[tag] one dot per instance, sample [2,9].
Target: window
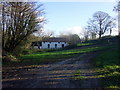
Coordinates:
[48,45]
[40,43]
[62,45]
[55,45]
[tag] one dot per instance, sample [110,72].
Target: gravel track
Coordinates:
[55,75]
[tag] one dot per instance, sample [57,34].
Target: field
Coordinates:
[94,63]
[53,56]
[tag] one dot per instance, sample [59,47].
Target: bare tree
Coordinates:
[101,23]
[48,33]
[117,9]
[73,39]
[19,20]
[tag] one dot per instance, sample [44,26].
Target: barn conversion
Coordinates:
[50,43]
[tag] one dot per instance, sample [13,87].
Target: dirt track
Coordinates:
[56,75]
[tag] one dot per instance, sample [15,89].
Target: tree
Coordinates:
[93,35]
[72,39]
[117,9]
[100,23]
[48,33]
[45,33]
[88,34]
[18,21]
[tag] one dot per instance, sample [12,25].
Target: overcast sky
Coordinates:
[71,17]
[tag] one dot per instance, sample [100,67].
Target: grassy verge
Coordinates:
[108,70]
[47,57]
[84,44]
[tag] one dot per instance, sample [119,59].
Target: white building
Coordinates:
[50,43]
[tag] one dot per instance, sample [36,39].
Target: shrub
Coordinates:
[8,58]
[26,51]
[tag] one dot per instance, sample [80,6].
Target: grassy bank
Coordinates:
[107,63]
[50,57]
[53,56]
[108,68]
[84,44]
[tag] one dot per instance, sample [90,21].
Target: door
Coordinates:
[55,45]
[63,46]
[48,45]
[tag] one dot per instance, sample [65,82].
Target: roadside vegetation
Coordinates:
[108,68]
[49,57]
[106,63]
[84,44]
[21,20]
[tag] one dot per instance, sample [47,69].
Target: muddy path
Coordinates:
[56,75]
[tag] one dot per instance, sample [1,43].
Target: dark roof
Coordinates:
[54,40]
[36,43]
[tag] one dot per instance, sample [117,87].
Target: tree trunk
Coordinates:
[3,25]
[100,34]
[19,20]
[119,22]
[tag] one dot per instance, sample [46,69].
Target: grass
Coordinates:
[108,68]
[53,56]
[105,40]
[84,44]
[108,58]
[107,63]
[49,56]
[77,75]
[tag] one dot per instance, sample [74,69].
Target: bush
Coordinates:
[8,58]
[26,51]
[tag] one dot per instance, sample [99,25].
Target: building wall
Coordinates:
[52,45]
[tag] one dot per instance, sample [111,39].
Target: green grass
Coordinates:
[108,70]
[53,56]
[105,40]
[77,75]
[49,57]
[84,44]
[108,58]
